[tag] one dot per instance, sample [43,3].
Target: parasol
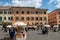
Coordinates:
[47,26]
[19,24]
[9,26]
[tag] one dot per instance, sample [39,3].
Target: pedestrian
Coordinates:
[45,30]
[54,29]
[37,27]
[41,27]
[26,29]
[5,28]
[11,33]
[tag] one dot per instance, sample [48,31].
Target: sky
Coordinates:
[44,4]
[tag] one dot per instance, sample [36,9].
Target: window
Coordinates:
[40,12]
[32,18]
[9,12]
[22,18]
[44,12]
[45,18]
[0,18]
[41,18]
[45,23]
[12,12]
[17,12]
[1,12]
[28,18]
[36,18]
[59,12]
[40,22]
[22,12]
[17,18]
[59,17]
[36,12]
[27,12]
[11,18]
[5,12]
[55,17]
[4,18]
[59,21]
[8,18]
[32,12]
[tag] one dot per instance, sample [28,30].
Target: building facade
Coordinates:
[54,17]
[28,15]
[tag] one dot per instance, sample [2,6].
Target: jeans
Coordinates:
[11,37]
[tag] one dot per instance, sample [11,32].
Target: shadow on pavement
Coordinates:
[39,33]
[1,39]
[42,34]
[5,39]
[8,39]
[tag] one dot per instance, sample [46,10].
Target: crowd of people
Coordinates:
[13,31]
[44,29]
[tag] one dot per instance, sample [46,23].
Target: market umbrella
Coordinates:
[55,26]
[47,26]
[19,24]
[1,26]
[9,26]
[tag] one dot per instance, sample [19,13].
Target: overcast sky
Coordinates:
[46,4]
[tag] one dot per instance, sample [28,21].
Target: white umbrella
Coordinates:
[19,24]
[1,26]
[9,26]
[55,26]
[47,26]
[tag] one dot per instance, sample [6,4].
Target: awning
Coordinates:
[19,24]
[9,26]
[47,26]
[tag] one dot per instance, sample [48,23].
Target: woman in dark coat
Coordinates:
[11,33]
[45,30]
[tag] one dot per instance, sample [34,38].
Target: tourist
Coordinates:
[11,33]
[37,27]
[5,28]
[45,30]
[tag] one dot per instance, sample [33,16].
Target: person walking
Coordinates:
[11,33]
[37,27]
[45,30]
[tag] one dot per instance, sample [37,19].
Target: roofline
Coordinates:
[23,7]
[30,7]
[54,10]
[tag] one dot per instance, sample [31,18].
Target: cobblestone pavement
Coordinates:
[36,35]
[1,34]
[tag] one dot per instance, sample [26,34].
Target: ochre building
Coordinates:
[28,15]
[54,17]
